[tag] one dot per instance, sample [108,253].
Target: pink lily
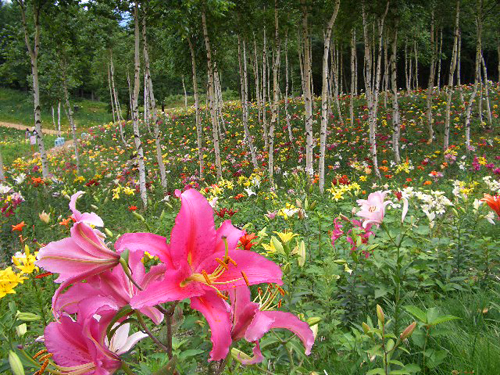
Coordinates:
[251,321]
[114,285]
[81,347]
[88,218]
[201,262]
[373,208]
[337,231]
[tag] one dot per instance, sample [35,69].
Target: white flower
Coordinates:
[20,178]
[121,342]
[249,192]
[490,217]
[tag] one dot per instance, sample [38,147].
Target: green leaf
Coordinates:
[443,319]
[376,371]
[417,313]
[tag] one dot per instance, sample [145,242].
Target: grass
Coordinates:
[13,144]
[17,107]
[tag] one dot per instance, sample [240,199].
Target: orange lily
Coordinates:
[19,227]
[493,201]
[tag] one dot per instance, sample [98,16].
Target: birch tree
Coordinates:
[135,109]
[33,51]
[324,95]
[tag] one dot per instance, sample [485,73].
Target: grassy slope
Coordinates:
[17,107]
[13,144]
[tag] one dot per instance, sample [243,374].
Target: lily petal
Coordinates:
[142,242]
[256,267]
[193,235]
[166,290]
[216,312]
[264,321]
[88,218]
[232,235]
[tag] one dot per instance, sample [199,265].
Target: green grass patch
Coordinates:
[13,144]
[17,107]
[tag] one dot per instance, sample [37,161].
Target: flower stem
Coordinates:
[149,333]
[126,369]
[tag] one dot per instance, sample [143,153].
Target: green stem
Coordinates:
[149,333]
[40,302]
[126,369]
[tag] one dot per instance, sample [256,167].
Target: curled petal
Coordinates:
[232,235]
[88,218]
[264,321]
[145,242]
[216,312]
[257,356]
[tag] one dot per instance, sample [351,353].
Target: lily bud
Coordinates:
[408,331]
[27,317]
[139,216]
[380,314]
[15,364]
[45,217]
[366,328]
[21,329]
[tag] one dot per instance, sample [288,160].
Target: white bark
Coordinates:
[135,110]
[212,101]
[449,89]
[324,96]
[152,103]
[199,128]
[33,53]
[69,113]
[396,121]
[307,93]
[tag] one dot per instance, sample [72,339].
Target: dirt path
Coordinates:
[53,150]
[23,127]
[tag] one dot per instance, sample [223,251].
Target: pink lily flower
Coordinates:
[337,231]
[114,285]
[88,218]
[81,347]
[373,208]
[251,321]
[201,262]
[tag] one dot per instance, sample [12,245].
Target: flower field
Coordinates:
[248,275]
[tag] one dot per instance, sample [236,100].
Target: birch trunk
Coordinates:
[287,114]
[244,99]
[416,65]
[185,94]
[335,75]
[211,96]
[353,74]
[487,91]
[440,53]
[430,82]
[324,96]
[111,97]
[257,80]
[459,65]
[135,110]
[449,89]
[264,91]
[152,102]
[54,118]
[396,123]
[407,77]
[33,53]
[117,102]
[59,118]
[372,92]
[307,92]
[199,128]
[275,105]
[69,113]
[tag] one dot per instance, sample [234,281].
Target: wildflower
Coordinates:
[286,237]
[493,201]
[9,280]
[246,241]
[337,232]
[201,262]
[251,320]
[373,208]
[19,227]
[65,222]
[45,217]
[25,262]
[81,346]
[132,208]
[88,218]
